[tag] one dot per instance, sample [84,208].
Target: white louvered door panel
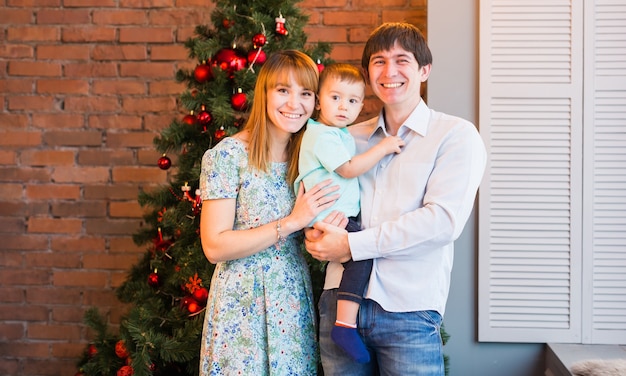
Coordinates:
[604,318]
[530,203]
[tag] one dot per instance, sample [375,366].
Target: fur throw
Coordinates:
[599,367]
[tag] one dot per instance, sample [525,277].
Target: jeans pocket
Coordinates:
[431,316]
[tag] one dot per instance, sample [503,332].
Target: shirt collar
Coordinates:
[417,121]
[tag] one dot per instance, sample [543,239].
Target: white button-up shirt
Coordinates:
[414,205]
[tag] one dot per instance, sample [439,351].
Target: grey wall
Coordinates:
[453,88]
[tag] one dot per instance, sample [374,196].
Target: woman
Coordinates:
[260,318]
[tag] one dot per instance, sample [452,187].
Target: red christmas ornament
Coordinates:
[201,295]
[92,351]
[280,25]
[153,281]
[238,101]
[220,133]
[320,66]
[190,119]
[259,40]
[257,57]
[164,162]
[125,371]
[231,60]
[227,23]
[202,73]
[120,349]
[204,117]
[160,214]
[193,306]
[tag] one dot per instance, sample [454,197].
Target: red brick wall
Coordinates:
[85,86]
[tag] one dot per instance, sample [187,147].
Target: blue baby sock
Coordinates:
[349,340]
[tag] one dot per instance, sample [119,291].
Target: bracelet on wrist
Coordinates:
[280,239]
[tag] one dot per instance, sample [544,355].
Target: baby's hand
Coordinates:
[392,144]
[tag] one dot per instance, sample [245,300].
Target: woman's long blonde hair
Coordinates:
[279,68]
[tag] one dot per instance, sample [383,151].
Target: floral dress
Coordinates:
[260,318]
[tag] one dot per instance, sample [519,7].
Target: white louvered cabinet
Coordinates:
[552,205]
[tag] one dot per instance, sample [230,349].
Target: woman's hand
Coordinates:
[335,218]
[309,204]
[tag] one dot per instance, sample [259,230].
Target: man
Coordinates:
[414,206]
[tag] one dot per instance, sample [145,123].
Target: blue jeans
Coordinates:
[399,343]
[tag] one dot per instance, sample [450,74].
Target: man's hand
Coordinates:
[326,241]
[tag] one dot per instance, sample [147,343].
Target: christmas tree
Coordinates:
[167,289]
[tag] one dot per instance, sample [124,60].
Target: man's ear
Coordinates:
[425,72]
